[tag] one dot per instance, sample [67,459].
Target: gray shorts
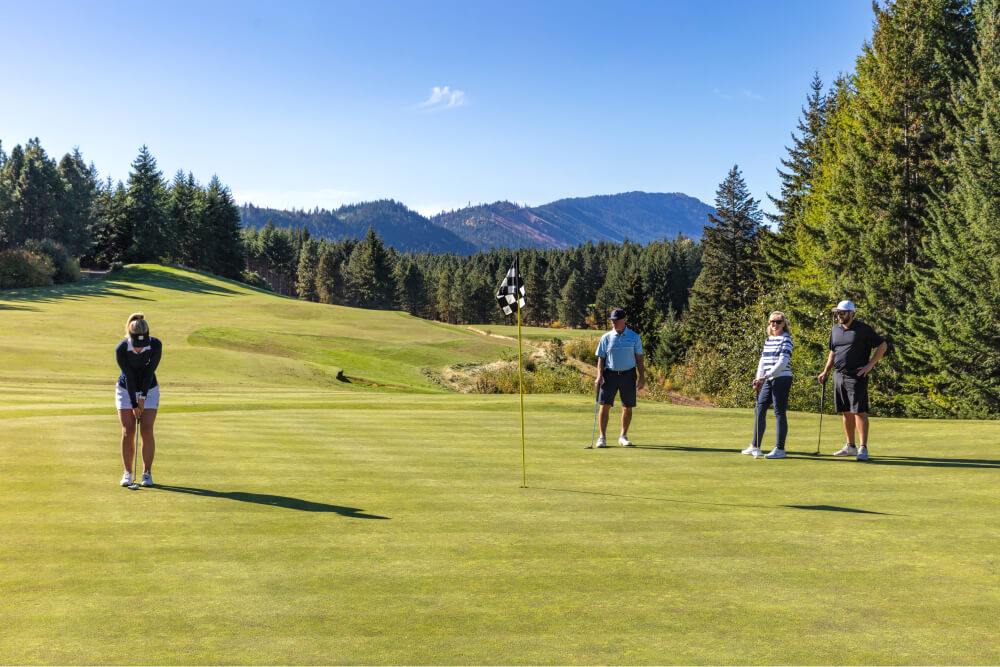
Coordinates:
[850,393]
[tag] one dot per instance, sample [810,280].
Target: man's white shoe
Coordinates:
[624,441]
[751,451]
[601,442]
[126,479]
[847,450]
[775,454]
[147,479]
[863,453]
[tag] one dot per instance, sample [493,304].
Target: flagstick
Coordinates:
[520,386]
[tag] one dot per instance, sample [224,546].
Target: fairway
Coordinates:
[300,519]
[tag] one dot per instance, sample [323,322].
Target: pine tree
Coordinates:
[221,227]
[952,350]
[76,205]
[368,273]
[572,302]
[185,210]
[731,256]
[146,212]
[796,182]
[305,283]
[327,277]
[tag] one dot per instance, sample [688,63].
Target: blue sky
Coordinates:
[434,104]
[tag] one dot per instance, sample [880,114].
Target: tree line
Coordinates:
[575,287]
[54,214]
[890,197]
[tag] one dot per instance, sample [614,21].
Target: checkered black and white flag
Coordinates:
[511,290]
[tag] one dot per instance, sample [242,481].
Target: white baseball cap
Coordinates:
[844,305]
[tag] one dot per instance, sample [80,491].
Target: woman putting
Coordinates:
[137,394]
[774,382]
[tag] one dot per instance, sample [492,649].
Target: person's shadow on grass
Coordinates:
[919,461]
[274,501]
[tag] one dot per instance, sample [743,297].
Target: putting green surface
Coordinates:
[300,520]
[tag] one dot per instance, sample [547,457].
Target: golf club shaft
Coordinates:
[822,399]
[593,432]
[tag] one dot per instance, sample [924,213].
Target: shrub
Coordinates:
[21,268]
[116,266]
[254,279]
[67,268]
[582,349]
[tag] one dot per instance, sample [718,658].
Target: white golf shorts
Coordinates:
[123,402]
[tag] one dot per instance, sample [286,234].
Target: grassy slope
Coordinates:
[298,522]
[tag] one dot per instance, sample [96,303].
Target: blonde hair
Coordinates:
[784,320]
[136,324]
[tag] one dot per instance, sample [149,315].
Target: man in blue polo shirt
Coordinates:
[851,345]
[620,370]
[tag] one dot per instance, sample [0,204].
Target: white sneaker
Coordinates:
[751,451]
[863,453]
[847,450]
[624,441]
[601,442]
[126,479]
[775,454]
[147,479]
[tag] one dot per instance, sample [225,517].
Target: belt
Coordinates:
[609,370]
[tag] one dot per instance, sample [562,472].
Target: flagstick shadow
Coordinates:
[823,508]
[272,500]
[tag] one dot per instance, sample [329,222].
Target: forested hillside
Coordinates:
[636,216]
[400,227]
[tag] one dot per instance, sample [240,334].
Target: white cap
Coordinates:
[844,305]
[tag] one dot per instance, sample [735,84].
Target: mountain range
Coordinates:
[638,216]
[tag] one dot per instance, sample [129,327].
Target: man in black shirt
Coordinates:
[851,345]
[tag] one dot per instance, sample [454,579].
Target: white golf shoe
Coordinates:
[601,442]
[624,441]
[147,479]
[126,479]
[847,450]
[775,454]
[863,453]
[751,451]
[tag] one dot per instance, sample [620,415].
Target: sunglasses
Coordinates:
[777,321]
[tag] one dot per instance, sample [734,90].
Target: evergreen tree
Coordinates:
[222,228]
[411,294]
[572,302]
[185,210]
[305,284]
[731,256]
[327,277]
[368,273]
[952,351]
[76,219]
[146,212]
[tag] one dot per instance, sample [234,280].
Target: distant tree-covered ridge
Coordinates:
[397,225]
[637,216]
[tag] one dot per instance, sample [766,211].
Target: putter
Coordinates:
[822,399]
[135,454]
[593,431]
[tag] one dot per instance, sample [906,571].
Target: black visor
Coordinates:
[139,340]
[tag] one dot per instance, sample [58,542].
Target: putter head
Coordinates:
[133,487]
[589,447]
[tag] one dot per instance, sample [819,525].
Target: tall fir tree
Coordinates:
[368,273]
[731,256]
[146,212]
[952,350]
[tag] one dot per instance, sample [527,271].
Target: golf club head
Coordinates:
[133,487]
[589,447]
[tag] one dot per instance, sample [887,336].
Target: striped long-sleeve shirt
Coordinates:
[776,359]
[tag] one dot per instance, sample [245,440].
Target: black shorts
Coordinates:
[850,393]
[615,383]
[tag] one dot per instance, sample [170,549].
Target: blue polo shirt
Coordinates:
[619,350]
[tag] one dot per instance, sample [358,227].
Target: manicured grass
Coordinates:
[305,523]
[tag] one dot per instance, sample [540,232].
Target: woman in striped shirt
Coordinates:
[774,382]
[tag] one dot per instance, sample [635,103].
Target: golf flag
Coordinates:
[511,290]
[510,296]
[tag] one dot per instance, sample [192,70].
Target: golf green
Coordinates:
[300,519]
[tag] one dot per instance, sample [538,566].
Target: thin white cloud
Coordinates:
[749,94]
[328,198]
[719,93]
[443,97]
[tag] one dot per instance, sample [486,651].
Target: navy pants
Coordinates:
[773,392]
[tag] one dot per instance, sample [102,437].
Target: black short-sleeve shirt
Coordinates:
[852,347]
